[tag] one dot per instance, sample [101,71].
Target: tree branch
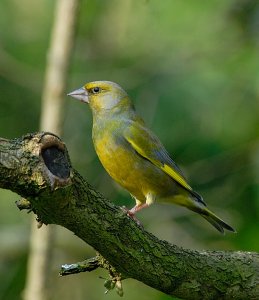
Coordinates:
[38,168]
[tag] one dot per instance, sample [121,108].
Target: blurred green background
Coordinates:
[192,69]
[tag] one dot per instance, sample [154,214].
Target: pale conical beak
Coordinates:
[80,94]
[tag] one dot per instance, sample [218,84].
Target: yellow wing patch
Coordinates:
[177,177]
[167,169]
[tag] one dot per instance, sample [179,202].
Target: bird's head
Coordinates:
[102,96]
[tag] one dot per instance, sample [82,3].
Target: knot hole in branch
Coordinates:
[56,160]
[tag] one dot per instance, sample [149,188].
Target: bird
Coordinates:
[134,156]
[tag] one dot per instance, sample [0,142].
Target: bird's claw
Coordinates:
[131,214]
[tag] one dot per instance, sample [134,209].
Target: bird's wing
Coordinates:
[146,144]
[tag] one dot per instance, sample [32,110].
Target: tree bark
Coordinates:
[38,168]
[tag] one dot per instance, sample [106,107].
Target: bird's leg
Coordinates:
[131,212]
[137,208]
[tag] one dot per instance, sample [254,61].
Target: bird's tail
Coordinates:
[215,221]
[198,205]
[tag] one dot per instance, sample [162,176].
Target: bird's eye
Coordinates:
[96,90]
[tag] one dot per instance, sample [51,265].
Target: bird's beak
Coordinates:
[80,94]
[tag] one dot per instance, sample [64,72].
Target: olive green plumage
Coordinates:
[133,156]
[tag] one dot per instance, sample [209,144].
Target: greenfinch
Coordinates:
[134,156]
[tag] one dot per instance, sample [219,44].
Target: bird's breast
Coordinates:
[119,161]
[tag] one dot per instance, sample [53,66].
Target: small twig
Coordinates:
[87,265]
[91,264]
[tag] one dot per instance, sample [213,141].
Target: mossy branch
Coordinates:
[38,168]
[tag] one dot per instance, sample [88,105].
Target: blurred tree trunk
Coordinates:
[58,61]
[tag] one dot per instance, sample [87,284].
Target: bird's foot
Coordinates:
[131,214]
